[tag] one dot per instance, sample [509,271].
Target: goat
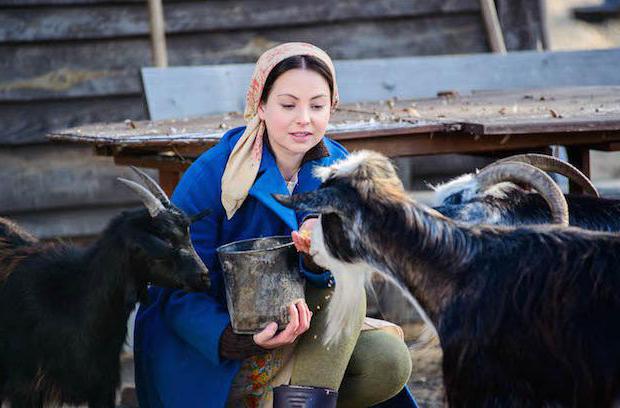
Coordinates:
[526,317]
[64,309]
[507,203]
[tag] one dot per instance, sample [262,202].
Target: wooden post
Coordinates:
[168,180]
[158,33]
[578,156]
[491,23]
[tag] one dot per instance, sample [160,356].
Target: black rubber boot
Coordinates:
[296,396]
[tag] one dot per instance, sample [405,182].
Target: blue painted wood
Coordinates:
[200,90]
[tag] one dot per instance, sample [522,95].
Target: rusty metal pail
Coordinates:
[262,279]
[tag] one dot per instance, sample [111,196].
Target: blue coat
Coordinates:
[176,342]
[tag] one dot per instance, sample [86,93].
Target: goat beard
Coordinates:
[344,307]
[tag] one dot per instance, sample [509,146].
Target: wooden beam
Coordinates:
[17,126]
[111,66]
[578,156]
[413,145]
[158,33]
[123,19]
[493,28]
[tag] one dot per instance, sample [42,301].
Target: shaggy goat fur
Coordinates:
[509,204]
[527,317]
[64,309]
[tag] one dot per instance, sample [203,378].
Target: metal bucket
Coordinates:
[262,279]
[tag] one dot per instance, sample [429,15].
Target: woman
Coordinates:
[186,353]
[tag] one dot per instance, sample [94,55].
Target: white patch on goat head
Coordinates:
[344,167]
[466,185]
[469,189]
[344,305]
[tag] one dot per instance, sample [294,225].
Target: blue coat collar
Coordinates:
[269,180]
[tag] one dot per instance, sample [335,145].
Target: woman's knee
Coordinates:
[383,356]
[393,359]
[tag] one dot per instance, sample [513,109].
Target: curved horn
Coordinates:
[527,174]
[148,199]
[153,186]
[555,165]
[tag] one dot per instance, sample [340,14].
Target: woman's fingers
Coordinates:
[304,317]
[300,316]
[301,243]
[262,338]
[298,241]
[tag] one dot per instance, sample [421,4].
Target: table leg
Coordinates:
[168,180]
[578,156]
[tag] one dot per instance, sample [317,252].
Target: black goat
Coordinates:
[527,317]
[64,309]
[507,203]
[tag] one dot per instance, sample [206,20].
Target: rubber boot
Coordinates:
[289,396]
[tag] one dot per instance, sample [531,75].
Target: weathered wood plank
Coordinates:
[189,91]
[77,222]
[28,123]
[66,69]
[582,109]
[107,21]
[39,3]
[59,177]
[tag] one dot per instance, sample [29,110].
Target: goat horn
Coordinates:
[148,199]
[527,174]
[555,165]
[153,186]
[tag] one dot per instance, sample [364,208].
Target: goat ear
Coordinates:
[325,200]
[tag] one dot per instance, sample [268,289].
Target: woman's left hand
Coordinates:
[303,238]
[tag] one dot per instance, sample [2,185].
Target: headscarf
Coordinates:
[244,161]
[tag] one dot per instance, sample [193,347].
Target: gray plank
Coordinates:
[68,223]
[47,177]
[194,91]
[26,123]
[39,3]
[131,19]
[111,67]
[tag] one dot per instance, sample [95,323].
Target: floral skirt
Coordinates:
[253,385]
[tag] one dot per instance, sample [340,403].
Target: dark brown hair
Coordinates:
[298,62]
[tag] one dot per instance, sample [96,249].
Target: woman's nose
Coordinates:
[303,118]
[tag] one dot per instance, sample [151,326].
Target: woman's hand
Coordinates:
[299,322]
[303,238]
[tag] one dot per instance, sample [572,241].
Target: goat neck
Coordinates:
[116,281]
[410,243]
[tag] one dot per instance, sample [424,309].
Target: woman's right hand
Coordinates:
[300,316]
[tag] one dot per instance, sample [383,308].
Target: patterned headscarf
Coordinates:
[244,161]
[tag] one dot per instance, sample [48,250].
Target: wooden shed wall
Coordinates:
[70,62]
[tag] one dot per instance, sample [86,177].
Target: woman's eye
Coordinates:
[318,107]
[288,106]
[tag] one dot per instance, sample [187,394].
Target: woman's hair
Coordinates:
[298,62]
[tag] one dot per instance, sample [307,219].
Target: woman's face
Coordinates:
[296,112]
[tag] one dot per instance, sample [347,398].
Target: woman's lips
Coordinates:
[301,135]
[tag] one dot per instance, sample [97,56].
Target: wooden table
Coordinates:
[581,119]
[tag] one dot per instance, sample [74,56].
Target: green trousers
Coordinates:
[366,368]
